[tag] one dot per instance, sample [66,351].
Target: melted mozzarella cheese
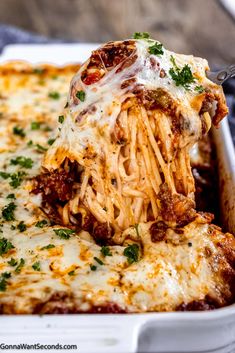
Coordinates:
[168,272]
[85,128]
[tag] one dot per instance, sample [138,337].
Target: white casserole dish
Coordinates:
[154,332]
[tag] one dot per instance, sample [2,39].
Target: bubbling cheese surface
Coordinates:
[49,268]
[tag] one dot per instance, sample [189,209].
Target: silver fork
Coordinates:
[221,76]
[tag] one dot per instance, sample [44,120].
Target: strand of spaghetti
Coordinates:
[137,207]
[164,167]
[94,206]
[152,176]
[133,121]
[73,204]
[84,183]
[65,214]
[128,192]
[147,172]
[154,167]
[164,132]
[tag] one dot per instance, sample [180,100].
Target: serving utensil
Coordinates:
[219,77]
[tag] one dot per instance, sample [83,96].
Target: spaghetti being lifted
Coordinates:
[122,155]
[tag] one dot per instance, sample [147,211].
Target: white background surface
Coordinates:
[59,54]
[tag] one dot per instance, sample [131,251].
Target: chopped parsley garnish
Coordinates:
[199,89]
[71,273]
[12,262]
[182,77]
[21,226]
[64,233]
[6,275]
[5,175]
[105,251]
[8,212]
[47,247]
[19,267]
[16,179]
[61,119]
[41,224]
[40,148]
[11,196]
[18,131]
[156,49]
[13,227]
[81,95]
[47,128]
[132,253]
[38,70]
[3,284]
[54,95]
[98,260]
[35,125]
[141,35]
[23,162]
[51,141]
[5,246]
[93,267]
[36,266]
[190,244]
[136,226]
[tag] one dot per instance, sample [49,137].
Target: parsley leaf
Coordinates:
[6,274]
[98,260]
[64,233]
[21,226]
[3,284]
[81,95]
[136,226]
[141,35]
[132,253]
[199,89]
[5,175]
[11,196]
[40,148]
[105,251]
[38,70]
[35,125]
[12,262]
[19,267]
[93,267]
[71,273]
[41,224]
[16,179]
[182,77]
[18,131]
[61,119]
[47,247]
[54,95]
[51,141]
[8,212]
[23,162]
[156,49]
[36,266]
[5,246]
